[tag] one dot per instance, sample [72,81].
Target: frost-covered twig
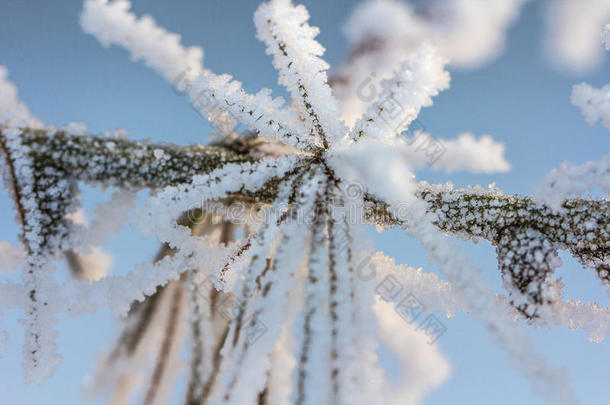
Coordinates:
[296,55]
[261,113]
[119,161]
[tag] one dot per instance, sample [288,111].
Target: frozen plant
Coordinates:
[279,315]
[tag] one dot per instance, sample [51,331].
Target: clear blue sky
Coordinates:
[65,75]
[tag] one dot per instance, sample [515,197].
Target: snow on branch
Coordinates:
[109,218]
[40,204]
[119,292]
[265,115]
[581,227]
[546,380]
[87,259]
[121,162]
[296,55]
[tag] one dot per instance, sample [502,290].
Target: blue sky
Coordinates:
[65,75]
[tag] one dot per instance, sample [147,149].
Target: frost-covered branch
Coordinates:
[474,213]
[122,162]
[582,227]
[296,55]
[261,113]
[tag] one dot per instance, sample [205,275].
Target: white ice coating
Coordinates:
[298,272]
